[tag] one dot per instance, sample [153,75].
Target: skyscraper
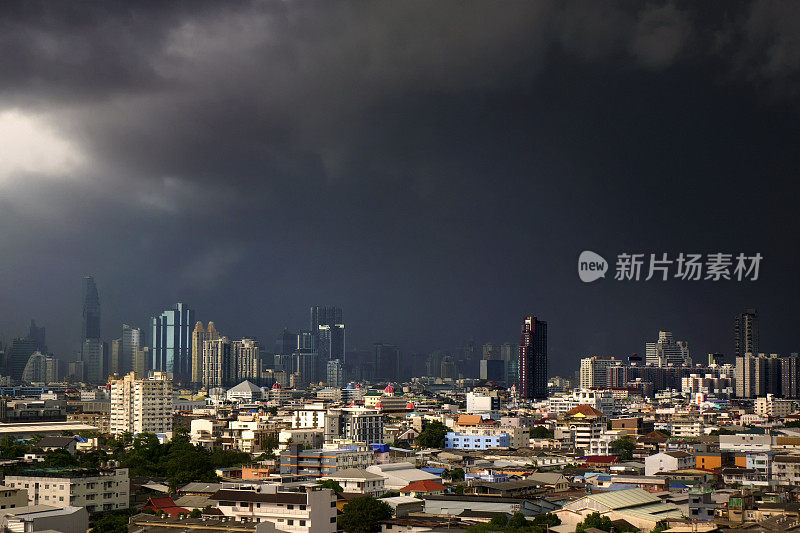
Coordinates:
[387,361]
[199,336]
[325,315]
[131,341]
[745,333]
[114,357]
[37,335]
[666,351]
[91,310]
[94,354]
[172,342]
[330,343]
[533,359]
[216,362]
[246,361]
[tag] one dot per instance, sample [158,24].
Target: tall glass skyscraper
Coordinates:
[172,342]
[533,359]
[91,310]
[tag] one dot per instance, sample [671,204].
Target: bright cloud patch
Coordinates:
[29,145]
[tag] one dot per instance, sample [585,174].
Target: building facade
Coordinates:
[533,359]
[141,405]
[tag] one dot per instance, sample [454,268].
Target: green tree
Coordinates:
[331,484]
[363,515]
[595,520]
[432,435]
[112,522]
[59,459]
[623,447]
[518,521]
[541,432]
[457,474]
[499,520]
[196,513]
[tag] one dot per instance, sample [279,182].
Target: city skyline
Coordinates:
[323,316]
[435,174]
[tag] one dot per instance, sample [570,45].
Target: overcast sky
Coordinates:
[435,168]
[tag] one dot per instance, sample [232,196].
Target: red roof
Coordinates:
[425,485]
[164,503]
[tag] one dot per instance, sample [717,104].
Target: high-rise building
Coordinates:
[533,359]
[115,353]
[141,405]
[335,372]
[286,343]
[490,351]
[131,341]
[94,354]
[246,360]
[331,342]
[37,335]
[509,353]
[322,315]
[759,374]
[667,351]
[91,310]
[199,336]
[17,356]
[216,362]
[745,333]
[594,371]
[790,376]
[387,362]
[141,362]
[172,342]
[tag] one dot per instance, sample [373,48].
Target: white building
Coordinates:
[602,400]
[245,391]
[97,491]
[359,481]
[45,518]
[482,403]
[594,371]
[310,416]
[745,442]
[141,405]
[399,475]
[770,406]
[667,462]
[305,510]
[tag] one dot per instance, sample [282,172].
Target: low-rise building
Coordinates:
[12,497]
[320,462]
[667,462]
[68,519]
[97,490]
[358,481]
[305,510]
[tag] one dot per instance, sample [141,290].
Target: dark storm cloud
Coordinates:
[434,165]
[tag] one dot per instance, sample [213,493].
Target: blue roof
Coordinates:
[81,439]
[432,470]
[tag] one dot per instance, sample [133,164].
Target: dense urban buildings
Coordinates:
[745,333]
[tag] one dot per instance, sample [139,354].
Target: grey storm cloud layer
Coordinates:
[433,167]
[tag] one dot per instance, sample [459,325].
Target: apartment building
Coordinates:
[584,423]
[299,510]
[247,434]
[602,400]
[462,441]
[354,425]
[12,497]
[141,405]
[97,490]
[310,416]
[474,426]
[786,470]
[770,406]
[320,462]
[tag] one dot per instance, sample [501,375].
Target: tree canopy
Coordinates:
[432,435]
[363,515]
